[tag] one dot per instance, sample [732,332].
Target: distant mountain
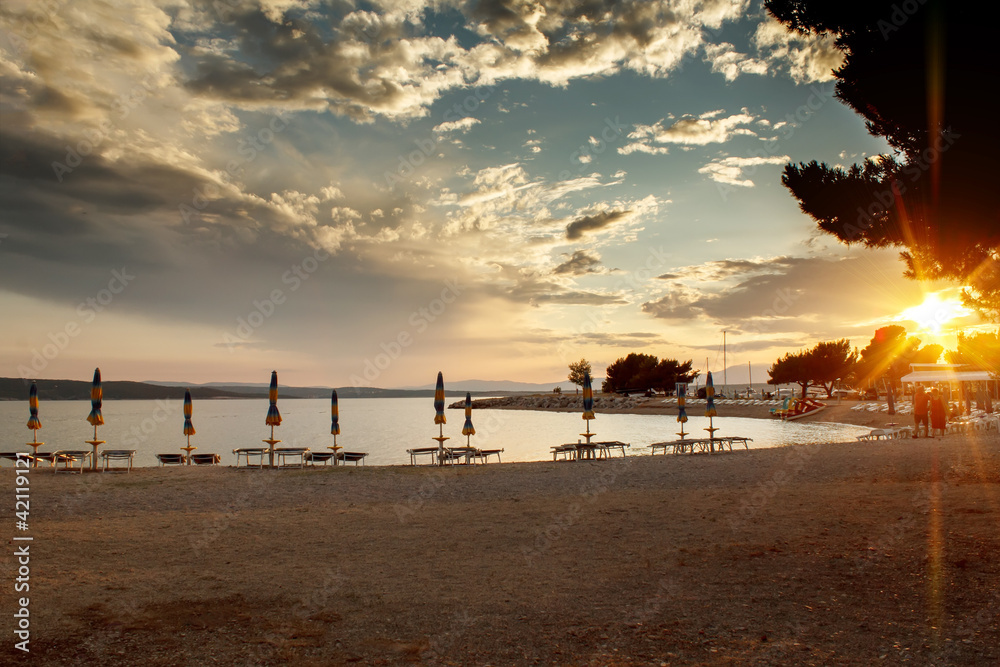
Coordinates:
[16,389]
[487,386]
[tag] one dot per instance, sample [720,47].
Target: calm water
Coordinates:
[384,427]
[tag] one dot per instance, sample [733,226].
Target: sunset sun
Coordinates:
[935,312]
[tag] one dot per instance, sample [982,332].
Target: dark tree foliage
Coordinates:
[980,350]
[920,74]
[889,354]
[639,372]
[820,366]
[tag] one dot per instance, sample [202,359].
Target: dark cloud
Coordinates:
[578,264]
[785,294]
[589,223]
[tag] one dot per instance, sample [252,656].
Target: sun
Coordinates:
[935,312]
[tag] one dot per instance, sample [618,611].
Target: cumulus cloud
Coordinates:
[806,57]
[579,263]
[731,170]
[707,128]
[463,125]
[595,222]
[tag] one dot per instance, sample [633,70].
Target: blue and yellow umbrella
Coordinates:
[710,397]
[95,417]
[96,395]
[468,429]
[188,410]
[682,417]
[188,425]
[439,417]
[334,416]
[34,423]
[710,411]
[588,399]
[273,416]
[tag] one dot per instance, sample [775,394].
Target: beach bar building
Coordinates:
[962,378]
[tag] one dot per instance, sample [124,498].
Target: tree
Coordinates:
[980,350]
[640,372]
[820,366]
[934,196]
[890,353]
[578,370]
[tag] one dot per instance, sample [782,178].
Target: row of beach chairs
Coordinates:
[454,455]
[75,460]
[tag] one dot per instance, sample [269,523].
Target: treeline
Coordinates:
[887,357]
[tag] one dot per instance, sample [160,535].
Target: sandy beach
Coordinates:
[839,554]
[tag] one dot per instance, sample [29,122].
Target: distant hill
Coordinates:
[16,389]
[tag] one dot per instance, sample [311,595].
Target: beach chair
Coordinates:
[430,452]
[321,457]
[247,452]
[109,455]
[206,459]
[567,452]
[485,454]
[354,457]
[69,458]
[171,459]
[283,453]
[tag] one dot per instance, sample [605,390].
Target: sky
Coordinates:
[365,193]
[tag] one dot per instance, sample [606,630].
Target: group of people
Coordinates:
[929,405]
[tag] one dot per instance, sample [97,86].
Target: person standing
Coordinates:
[921,407]
[938,416]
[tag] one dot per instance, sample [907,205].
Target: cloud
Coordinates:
[785,294]
[463,125]
[580,263]
[731,63]
[806,57]
[689,130]
[730,170]
[589,223]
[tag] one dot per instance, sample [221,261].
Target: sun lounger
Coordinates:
[567,452]
[247,452]
[615,444]
[171,459]
[283,453]
[487,453]
[352,457]
[422,451]
[206,459]
[14,456]
[322,457]
[68,458]
[109,455]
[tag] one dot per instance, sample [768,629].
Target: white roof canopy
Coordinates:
[946,376]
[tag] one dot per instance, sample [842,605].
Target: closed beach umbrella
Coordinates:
[34,423]
[588,399]
[468,429]
[439,417]
[273,416]
[96,395]
[710,397]
[188,426]
[682,415]
[890,400]
[335,416]
[95,417]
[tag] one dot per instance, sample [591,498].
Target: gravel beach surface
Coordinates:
[838,554]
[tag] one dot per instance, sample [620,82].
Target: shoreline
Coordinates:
[803,554]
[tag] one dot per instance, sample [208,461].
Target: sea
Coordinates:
[383,427]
